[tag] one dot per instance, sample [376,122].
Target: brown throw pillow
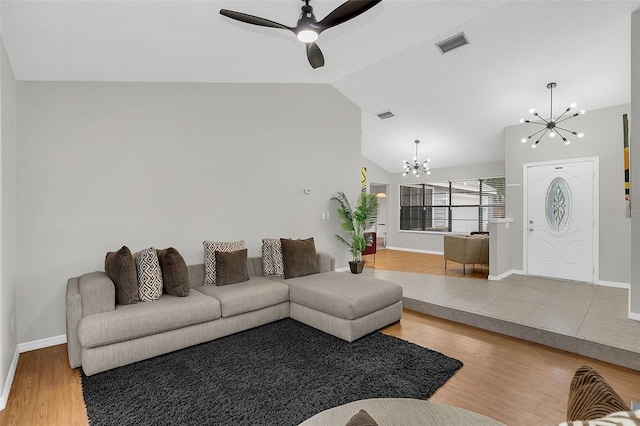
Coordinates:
[175,275]
[231,267]
[362,419]
[121,268]
[299,257]
[591,397]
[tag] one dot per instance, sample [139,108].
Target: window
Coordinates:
[454,206]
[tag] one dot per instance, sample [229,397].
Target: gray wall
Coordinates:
[378,175]
[429,241]
[101,165]
[603,139]
[634,293]
[8,99]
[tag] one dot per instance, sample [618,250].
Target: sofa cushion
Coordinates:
[121,268]
[175,275]
[299,257]
[343,295]
[231,267]
[257,293]
[272,263]
[591,397]
[210,249]
[149,275]
[132,321]
[362,418]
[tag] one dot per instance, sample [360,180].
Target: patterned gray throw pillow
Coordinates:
[272,257]
[149,275]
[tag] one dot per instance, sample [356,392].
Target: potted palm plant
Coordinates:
[355,221]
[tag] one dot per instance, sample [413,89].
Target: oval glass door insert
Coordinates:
[558,205]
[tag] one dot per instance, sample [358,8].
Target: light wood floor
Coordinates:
[406,261]
[514,381]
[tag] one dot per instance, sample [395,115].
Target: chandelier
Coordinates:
[416,167]
[552,124]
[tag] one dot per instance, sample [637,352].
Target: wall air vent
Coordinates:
[452,43]
[385,114]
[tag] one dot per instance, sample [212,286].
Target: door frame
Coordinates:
[596,210]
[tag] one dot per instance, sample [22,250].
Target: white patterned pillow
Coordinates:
[272,257]
[210,249]
[619,418]
[149,275]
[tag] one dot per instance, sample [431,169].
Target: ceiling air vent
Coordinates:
[452,43]
[385,114]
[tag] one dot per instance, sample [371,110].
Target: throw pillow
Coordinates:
[175,275]
[591,397]
[299,257]
[362,418]
[149,275]
[210,248]
[620,418]
[272,257]
[121,268]
[231,267]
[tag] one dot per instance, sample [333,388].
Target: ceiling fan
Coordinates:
[308,28]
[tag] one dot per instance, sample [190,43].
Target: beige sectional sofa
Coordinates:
[102,335]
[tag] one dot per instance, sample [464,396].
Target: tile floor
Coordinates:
[583,318]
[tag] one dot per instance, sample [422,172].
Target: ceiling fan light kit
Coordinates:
[308,28]
[551,126]
[415,166]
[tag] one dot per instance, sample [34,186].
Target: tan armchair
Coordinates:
[465,250]
[484,252]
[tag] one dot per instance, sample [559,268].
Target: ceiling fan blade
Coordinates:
[250,19]
[347,10]
[315,56]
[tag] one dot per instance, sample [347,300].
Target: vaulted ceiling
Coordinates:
[457,104]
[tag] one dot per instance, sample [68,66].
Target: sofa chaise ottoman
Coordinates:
[345,305]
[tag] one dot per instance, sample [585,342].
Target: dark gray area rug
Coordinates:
[278,374]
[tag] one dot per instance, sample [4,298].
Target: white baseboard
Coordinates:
[42,343]
[415,250]
[344,269]
[7,384]
[501,276]
[634,316]
[614,284]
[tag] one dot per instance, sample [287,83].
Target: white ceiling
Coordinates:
[457,104]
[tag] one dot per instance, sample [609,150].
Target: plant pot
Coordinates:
[356,266]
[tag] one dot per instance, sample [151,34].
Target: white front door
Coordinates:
[560,223]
